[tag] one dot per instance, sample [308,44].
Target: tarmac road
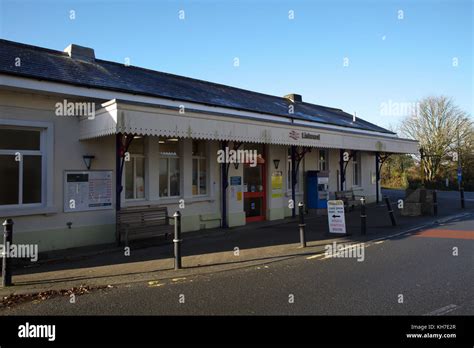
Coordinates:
[412,274]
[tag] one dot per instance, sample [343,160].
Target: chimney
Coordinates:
[294,97]
[80,52]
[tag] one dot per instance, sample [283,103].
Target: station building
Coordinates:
[81,138]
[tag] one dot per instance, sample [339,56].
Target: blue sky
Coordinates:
[390,59]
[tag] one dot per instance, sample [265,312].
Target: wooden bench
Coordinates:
[142,222]
[350,198]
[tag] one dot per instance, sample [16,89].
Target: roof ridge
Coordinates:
[62,53]
[37,48]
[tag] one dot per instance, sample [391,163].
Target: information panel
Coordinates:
[87,190]
[336,218]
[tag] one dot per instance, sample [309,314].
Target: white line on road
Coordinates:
[444,310]
[314,256]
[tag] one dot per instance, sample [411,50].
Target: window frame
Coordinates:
[326,160]
[46,152]
[133,157]
[199,158]
[168,157]
[356,170]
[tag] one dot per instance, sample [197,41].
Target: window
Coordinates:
[21,166]
[300,173]
[323,160]
[135,170]
[199,168]
[356,170]
[169,173]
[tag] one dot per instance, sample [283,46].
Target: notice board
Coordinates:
[87,190]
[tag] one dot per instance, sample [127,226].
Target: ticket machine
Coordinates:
[317,189]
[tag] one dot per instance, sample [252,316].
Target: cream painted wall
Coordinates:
[199,212]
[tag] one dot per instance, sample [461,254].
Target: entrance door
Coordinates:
[255,195]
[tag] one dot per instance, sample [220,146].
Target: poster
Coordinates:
[277,180]
[87,190]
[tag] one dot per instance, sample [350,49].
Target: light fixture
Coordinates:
[276,163]
[236,165]
[88,160]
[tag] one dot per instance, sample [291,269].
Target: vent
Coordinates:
[295,98]
[80,52]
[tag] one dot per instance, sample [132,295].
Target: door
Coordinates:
[255,193]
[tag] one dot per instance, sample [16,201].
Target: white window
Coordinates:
[199,168]
[323,160]
[169,172]
[356,169]
[22,166]
[135,170]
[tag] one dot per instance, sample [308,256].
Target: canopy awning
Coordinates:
[145,119]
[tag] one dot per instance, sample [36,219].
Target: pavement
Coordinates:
[214,251]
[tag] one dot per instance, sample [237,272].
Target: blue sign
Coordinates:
[459,174]
[235,180]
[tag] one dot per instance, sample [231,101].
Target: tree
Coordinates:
[442,129]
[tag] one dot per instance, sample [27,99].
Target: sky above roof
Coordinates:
[375,58]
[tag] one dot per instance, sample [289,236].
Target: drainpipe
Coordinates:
[377,175]
[224,183]
[118,179]
[341,168]
[293,180]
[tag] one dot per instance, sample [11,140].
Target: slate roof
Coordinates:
[45,64]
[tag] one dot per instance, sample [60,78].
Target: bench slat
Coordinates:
[143,222]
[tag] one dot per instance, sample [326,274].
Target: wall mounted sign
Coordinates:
[277,180]
[87,190]
[235,180]
[305,135]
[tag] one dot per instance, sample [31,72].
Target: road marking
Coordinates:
[154,283]
[314,256]
[444,310]
[177,279]
[440,233]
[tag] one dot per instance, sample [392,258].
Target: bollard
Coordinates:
[435,203]
[363,217]
[7,241]
[302,225]
[462,198]
[177,240]
[390,211]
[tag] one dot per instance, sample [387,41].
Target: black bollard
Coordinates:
[363,217]
[435,203]
[302,225]
[462,198]
[7,241]
[390,211]
[177,240]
